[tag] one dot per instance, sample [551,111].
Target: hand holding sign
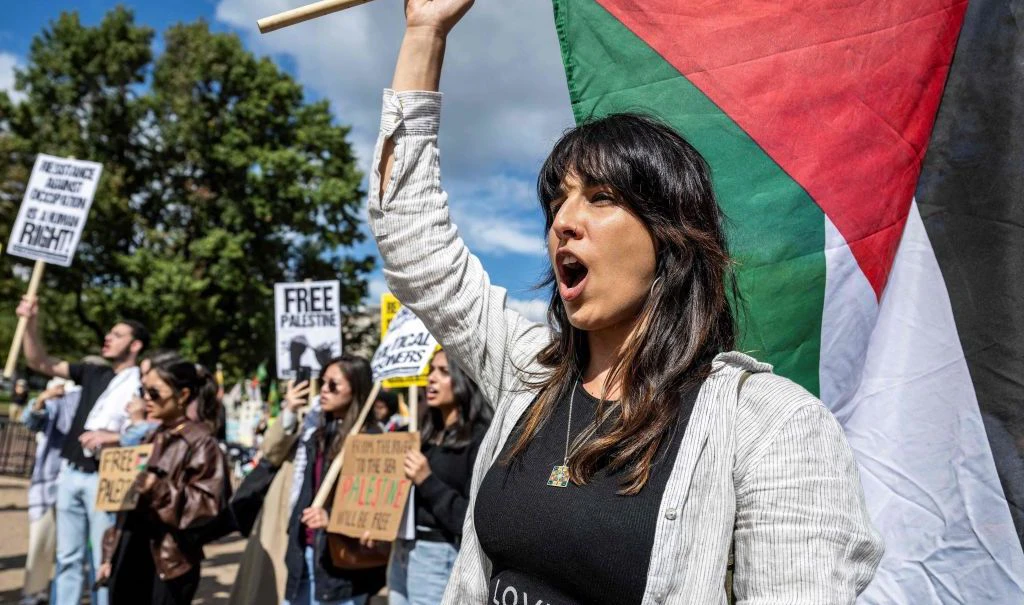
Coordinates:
[416,467]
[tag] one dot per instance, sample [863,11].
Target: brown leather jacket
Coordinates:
[190,489]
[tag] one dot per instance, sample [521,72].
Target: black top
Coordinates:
[578,544]
[442,500]
[94,380]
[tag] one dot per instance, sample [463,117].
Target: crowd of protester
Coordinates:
[129,396]
[632,457]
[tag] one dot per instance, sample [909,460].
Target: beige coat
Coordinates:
[262,573]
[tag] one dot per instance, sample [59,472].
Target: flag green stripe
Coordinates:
[776,231]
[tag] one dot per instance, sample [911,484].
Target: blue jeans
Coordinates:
[78,525]
[307,587]
[418,571]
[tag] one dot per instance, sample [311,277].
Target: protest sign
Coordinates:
[308,318]
[372,489]
[403,357]
[389,307]
[119,467]
[53,211]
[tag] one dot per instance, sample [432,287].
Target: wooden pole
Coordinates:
[305,13]
[314,390]
[19,332]
[414,409]
[327,484]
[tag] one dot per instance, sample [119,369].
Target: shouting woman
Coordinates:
[632,450]
[456,421]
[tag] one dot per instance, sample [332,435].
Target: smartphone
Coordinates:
[302,374]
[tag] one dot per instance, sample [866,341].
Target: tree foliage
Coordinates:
[219,179]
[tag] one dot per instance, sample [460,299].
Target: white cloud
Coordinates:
[7,64]
[536,310]
[482,235]
[506,102]
[506,97]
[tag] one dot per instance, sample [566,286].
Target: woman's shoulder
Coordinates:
[769,405]
[763,395]
[196,432]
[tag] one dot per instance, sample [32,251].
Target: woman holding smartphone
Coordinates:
[315,441]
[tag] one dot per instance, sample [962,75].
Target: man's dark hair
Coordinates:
[139,332]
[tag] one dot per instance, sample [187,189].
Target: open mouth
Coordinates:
[572,275]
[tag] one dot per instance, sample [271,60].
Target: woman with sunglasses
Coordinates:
[314,441]
[632,451]
[153,553]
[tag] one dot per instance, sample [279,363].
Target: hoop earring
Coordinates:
[653,284]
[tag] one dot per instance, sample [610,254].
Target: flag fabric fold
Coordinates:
[816,119]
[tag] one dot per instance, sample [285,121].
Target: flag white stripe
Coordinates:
[914,423]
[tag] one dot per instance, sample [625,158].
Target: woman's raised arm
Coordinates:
[427,24]
[426,263]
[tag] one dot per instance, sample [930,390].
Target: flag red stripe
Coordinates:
[841,95]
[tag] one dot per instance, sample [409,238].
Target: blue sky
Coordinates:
[505,101]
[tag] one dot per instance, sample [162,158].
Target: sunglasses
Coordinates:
[332,387]
[152,395]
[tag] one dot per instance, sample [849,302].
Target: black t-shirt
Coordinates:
[442,500]
[94,380]
[577,545]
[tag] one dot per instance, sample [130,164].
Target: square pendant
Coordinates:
[559,476]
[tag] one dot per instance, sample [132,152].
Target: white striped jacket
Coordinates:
[771,469]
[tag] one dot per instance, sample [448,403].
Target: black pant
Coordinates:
[134,579]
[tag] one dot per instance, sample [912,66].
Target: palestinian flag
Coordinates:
[816,118]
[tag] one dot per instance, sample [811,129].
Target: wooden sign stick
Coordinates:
[305,13]
[414,412]
[327,483]
[314,390]
[19,332]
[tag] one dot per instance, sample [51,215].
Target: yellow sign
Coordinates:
[119,467]
[389,307]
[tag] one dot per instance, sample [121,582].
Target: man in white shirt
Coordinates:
[98,421]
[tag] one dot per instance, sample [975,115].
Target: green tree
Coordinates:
[219,180]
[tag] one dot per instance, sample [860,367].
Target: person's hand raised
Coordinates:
[439,15]
[28,307]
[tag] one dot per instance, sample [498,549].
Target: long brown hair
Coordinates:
[686,319]
[474,412]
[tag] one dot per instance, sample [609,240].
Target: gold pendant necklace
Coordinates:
[560,472]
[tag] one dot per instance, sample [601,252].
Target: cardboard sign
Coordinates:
[308,318]
[53,211]
[119,466]
[406,347]
[372,490]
